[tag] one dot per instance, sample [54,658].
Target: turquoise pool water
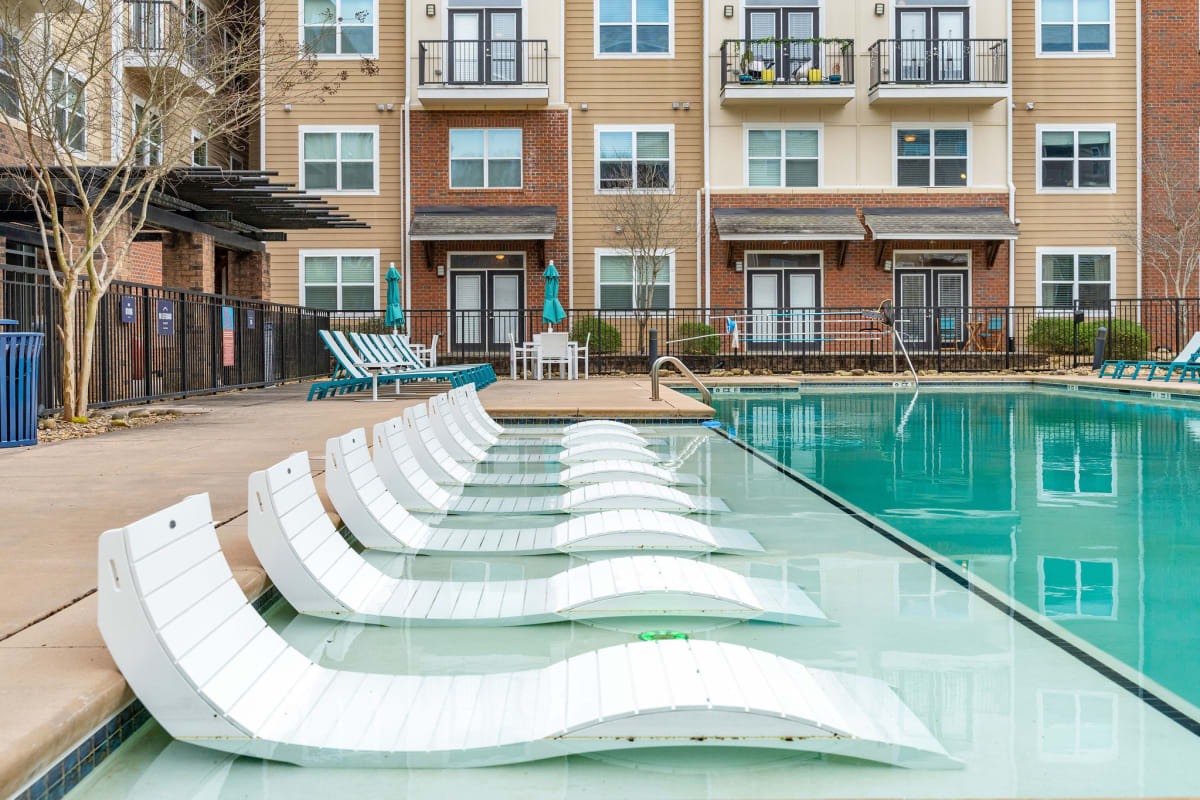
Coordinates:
[1084,506]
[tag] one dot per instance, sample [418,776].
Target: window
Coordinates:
[1075,26]
[70,109]
[627,282]
[148,129]
[1073,587]
[339,27]
[1076,726]
[1076,159]
[343,160]
[196,15]
[199,150]
[633,27]
[1066,276]
[9,61]
[787,157]
[931,157]
[638,158]
[236,162]
[340,281]
[485,158]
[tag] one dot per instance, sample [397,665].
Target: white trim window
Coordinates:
[148,150]
[340,280]
[69,94]
[625,282]
[783,157]
[1075,27]
[339,160]
[199,149]
[634,28]
[10,55]
[635,157]
[1078,588]
[1069,275]
[485,158]
[340,28]
[932,156]
[1077,158]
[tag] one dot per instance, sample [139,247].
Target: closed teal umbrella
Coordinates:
[552,310]
[395,313]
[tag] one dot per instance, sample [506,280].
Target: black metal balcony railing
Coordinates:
[483,62]
[787,62]
[938,61]
[162,33]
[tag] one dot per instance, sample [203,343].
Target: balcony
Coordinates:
[787,70]
[158,35]
[456,72]
[937,70]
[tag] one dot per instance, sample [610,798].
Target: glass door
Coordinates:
[804,329]
[800,56]
[762,25]
[950,30]
[466,303]
[912,47]
[505,290]
[761,332]
[951,311]
[502,52]
[912,308]
[466,48]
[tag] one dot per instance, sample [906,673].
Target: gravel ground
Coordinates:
[54,429]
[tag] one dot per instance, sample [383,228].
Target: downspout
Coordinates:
[562,88]
[707,173]
[1138,129]
[1012,189]
[117,115]
[405,260]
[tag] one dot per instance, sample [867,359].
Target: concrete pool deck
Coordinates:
[57,681]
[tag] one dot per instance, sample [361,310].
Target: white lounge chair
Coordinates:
[319,574]
[372,514]
[575,427]
[212,672]
[416,491]
[577,433]
[429,437]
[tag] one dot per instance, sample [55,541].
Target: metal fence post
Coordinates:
[653,347]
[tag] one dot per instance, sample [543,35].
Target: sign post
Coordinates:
[165,317]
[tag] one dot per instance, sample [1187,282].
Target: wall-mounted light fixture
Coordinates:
[441,270]
[737,266]
[728,12]
[431,9]
[583,106]
[880,9]
[287,106]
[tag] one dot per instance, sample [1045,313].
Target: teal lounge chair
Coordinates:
[481,374]
[1186,363]
[351,376]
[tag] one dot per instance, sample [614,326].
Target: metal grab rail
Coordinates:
[687,373]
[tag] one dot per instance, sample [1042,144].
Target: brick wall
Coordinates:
[188,261]
[144,264]
[859,282]
[544,183]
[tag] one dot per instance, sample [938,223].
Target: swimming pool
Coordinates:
[1025,714]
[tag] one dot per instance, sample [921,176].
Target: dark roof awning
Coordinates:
[249,199]
[990,224]
[451,223]
[788,224]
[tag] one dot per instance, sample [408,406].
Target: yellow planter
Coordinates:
[814,75]
[768,75]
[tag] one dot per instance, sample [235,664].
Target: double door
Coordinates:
[791,60]
[485,46]
[486,309]
[783,310]
[932,45]
[931,307]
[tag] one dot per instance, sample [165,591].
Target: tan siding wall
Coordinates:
[635,92]
[353,104]
[1073,91]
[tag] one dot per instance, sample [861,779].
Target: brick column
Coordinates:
[250,275]
[188,261]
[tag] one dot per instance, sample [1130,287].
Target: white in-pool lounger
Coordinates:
[319,574]
[421,428]
[412,487]
[605,429]
[375,518]
[213,673]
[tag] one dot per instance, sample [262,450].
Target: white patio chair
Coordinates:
[554,348]
[581,353]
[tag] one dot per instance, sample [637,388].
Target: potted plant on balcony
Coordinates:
[744,75]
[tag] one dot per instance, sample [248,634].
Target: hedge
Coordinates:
[605,338]
[708,346]
[1127,340]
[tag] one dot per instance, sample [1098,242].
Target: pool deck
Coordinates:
[57,681]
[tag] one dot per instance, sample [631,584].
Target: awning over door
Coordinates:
[989,224]
[788,224]
[468,223]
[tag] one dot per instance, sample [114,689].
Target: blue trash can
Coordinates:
[19,357]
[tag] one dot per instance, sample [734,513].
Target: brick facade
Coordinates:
[859,282]
[188,261]
[544,181]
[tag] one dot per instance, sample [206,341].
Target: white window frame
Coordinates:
[140,103]
[1110,129]
[450,162]
[792,126]
[634,129]
[70,73]
[670,253]
[1079,756]
[337,34]
[13,78]
[634,54]
[199,134]
[339,253]
[1039,252]
[1076,53]
[339,129]
[932,127]
[1049,496]
[1116,582]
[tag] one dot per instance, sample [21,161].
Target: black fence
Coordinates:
[938,61]
[482,62]
[945,339]
[787,62]
[153,343]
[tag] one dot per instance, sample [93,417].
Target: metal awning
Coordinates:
[788,224]
[468,223]
[987,224]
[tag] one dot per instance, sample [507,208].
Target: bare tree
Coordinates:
[649,220]
[103,102]
[1170,233]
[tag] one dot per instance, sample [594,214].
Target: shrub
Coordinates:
[708,346]
[605,338]
[1052,335]
[1127,340]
